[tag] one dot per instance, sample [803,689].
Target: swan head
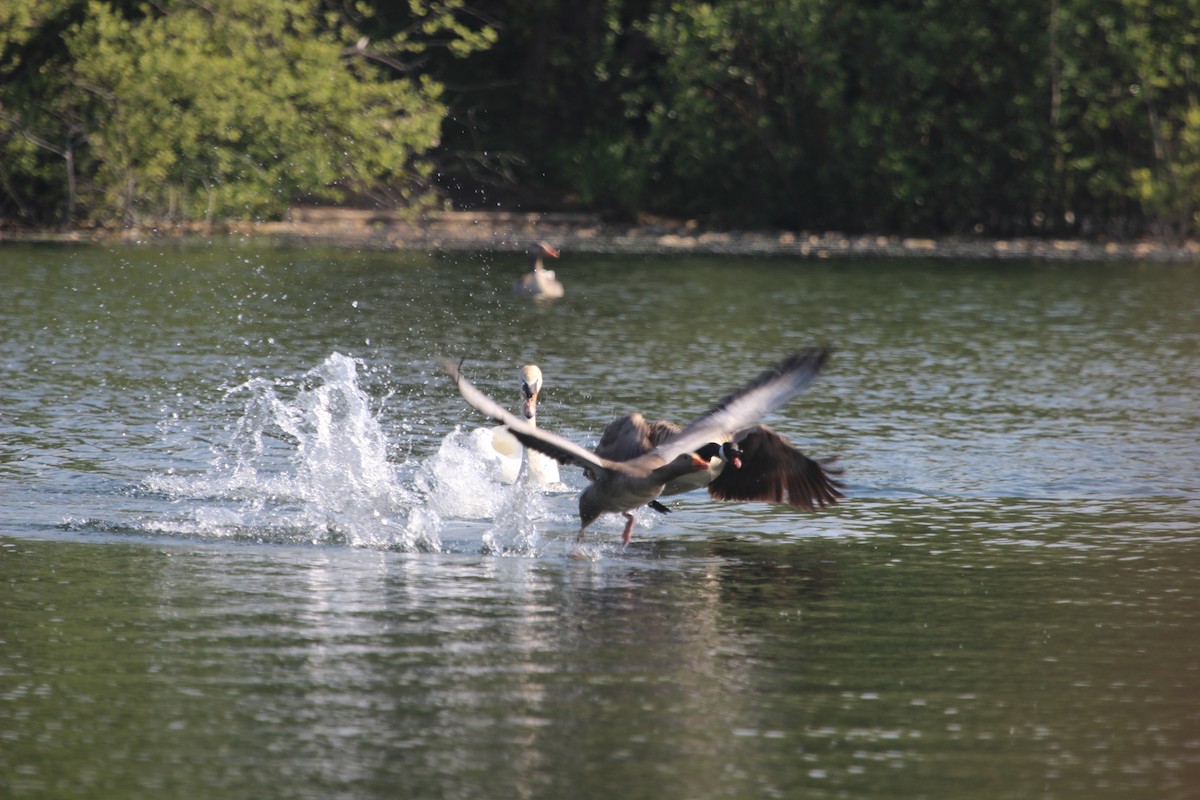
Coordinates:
[531,384]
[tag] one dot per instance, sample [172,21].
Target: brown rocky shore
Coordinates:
[506,231]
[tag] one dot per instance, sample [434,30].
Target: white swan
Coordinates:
[501,449]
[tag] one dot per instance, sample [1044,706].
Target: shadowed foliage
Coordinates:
[925,116]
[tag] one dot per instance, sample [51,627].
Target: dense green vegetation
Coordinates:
[201,110]
[1066,117]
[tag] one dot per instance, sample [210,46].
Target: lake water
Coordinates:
[246,549]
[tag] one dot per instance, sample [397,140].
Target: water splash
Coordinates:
[458,479]
[464,479]
[305,461]
[312,468]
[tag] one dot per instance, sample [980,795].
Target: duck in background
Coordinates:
[539,282]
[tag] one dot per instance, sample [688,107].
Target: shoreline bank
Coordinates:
[461,231]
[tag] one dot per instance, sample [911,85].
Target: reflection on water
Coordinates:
[248,549]
[737,667]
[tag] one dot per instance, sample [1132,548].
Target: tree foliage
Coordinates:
[913,116]
[226,108]
[920,115]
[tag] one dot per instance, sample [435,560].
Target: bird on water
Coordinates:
[620,485]
[539,282]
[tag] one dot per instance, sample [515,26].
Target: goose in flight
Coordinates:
[539,282]
[754,463]
[621,485]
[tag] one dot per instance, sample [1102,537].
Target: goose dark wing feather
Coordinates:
[772,389]
[546,445]
[773,469]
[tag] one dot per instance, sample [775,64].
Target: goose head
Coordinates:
[531,384]
[729,453]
